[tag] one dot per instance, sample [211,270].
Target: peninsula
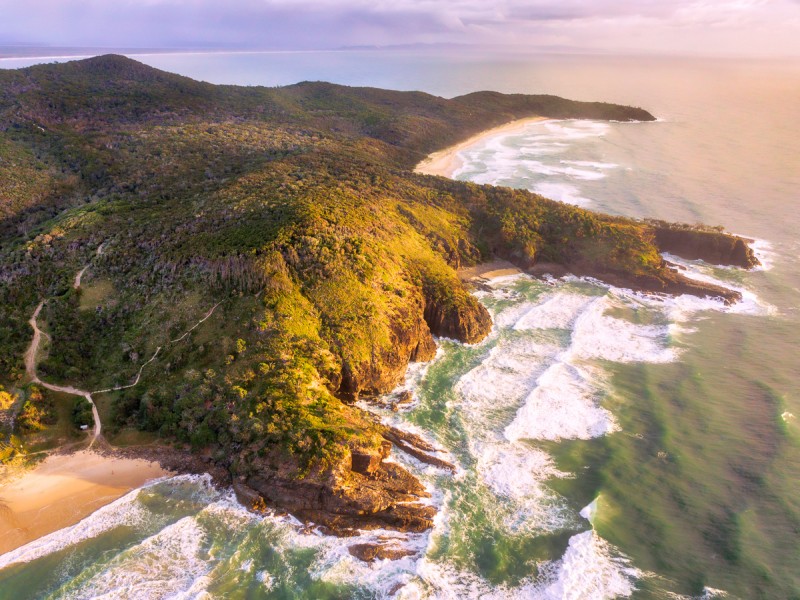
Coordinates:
[269,256]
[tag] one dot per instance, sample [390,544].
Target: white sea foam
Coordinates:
[592,164]
[505,376]
[589,512]
[589,570]
[597,335]
[267,580]
[165,565]
[554,311]
[515,471]
[564,404]
[536,383]
[563,192]
[750,303]
[525,159]
[575,130]
[764,253]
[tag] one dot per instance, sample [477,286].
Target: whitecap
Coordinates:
[590,569]
[554,311]
[563,405]
[599,336]
[165,565]
[592,164]
[562,192]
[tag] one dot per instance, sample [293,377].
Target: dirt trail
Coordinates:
[30,369]
[33,350]
[77,283]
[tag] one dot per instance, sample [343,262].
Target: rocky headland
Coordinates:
[295,212]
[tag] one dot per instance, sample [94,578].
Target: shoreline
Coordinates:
[446,162]
[64,489]
[488,270]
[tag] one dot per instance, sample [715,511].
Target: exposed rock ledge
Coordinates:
[369,493]
[689,242]
[704,243]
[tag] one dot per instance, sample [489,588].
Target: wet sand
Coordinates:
[64,489]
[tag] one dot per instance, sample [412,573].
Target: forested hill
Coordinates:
[113,90]
[294,210]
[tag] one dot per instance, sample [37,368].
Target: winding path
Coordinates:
[77,283]
[32,352]
[30,369]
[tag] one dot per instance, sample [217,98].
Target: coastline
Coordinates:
[488,270]
[446,162]
[64,489]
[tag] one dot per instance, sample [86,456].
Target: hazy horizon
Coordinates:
[737,28]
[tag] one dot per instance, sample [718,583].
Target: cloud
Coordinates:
[316,24]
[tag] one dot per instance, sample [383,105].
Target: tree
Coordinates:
[7,400]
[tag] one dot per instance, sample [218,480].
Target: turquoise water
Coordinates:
[609,444]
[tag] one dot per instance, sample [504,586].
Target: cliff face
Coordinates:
[712,246]
[468,322]
[412,341]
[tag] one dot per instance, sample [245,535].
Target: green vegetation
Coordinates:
[7,399]
[295,211]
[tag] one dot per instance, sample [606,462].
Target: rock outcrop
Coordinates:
[366,493]
[467,321]
[456,315]
[370,552]
[671,282]
[380,495]
[415,446]
[703,243]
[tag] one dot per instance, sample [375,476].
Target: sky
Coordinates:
[703,27]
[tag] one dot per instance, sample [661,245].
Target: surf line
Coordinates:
[33,349]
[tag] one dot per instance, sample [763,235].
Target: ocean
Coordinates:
[609,444]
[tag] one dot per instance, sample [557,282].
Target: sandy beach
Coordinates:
[489,270]
[64,489]
[446,162]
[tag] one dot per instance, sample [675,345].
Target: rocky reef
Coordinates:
[368,493]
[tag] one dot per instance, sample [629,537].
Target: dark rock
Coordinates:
[371,552]
[406,397]
[416,447]
[703,243]
[344,500]
[467,321]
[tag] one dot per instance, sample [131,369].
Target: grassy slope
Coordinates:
[294,207]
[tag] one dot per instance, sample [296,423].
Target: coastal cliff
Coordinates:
[712,245]
[294,211]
